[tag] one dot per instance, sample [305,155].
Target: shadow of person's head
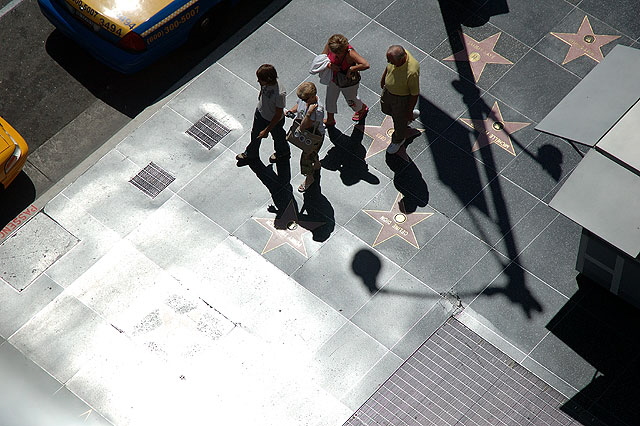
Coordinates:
[367,266]
[348,157]
[551,159]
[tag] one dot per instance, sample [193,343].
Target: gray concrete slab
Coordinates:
[95,239]
[19,307]
[32,249]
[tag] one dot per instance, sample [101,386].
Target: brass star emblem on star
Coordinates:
[381,136]
[287,230]
[397,223]
[479,54]
[494,129]
[584,42]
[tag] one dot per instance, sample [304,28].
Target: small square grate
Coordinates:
[208,131]
[152,180]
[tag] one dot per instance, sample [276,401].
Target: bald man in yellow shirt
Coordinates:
[400,85]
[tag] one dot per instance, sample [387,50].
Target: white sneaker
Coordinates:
[394,147]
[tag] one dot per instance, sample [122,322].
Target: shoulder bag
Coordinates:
[306,140]
[341,77]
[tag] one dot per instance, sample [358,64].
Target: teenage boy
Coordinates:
[268,118]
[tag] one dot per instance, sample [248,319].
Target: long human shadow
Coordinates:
[278,184]
[317,208]
[408,180]
[347,156]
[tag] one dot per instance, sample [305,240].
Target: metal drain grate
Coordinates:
[458,378]
[208,131]
[152,180]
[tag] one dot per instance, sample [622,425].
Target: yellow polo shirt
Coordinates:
[405,79]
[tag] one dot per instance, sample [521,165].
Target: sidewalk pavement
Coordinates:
[166,285]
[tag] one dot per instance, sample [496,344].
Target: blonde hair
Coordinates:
[306,90]
[338,43]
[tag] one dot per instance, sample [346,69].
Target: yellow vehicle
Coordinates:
[13,153]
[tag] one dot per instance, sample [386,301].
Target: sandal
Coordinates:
[274,159]
[304,185]
[329,123]
[360,115]
[243,159]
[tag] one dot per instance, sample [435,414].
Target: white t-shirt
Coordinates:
[317,116]
[271,97]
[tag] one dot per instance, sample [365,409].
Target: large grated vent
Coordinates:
[152,180]
[208,131]
[457,378]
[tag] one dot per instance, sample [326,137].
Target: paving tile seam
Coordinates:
[401,266]
[542,280]
[32,360]
[99,413]
[52,219]
[448,291]
[9,285]
[236,76]
[539,233]
[492,166]
[60,384]
[573,7]
[373,366]
[291,39]
[452,312]
[526,191]
[381,12]
[486,167]
[465,229]
[404,40]
[479,293]
[551,373]
[468,317]
[524,215]
[538,344]
[363,14]
[32,164]
[511,262]
[209,164]
[77,207]
[494,220]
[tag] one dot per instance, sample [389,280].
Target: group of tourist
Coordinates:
[339,67]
